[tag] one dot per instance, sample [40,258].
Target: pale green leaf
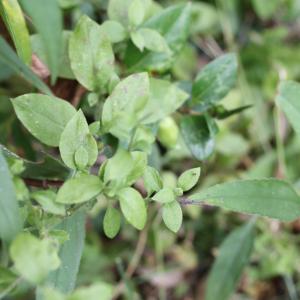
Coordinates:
[165,195]
[288,100]
[44,116]
[214,81]
[133,207]
[114,30]
[136,12]
[111,222]
[91,55]
[75,136]
[123,109]
[172,215]
[34,259]
[138,40]
[99,290]
[14,20]
[266,197]
[10,218]
[80,189]
[168,132]
[189,179]
[50,35]
[152,180]
[47,200]
[153,40]
[234,254]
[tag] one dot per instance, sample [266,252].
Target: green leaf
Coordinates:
[173,24]
[47,200]
[9,58]
[76,139]
[165,98]
[153,40]
[91,55]
[133,207]
[111,222]
[64,278]
[114,30]
[234,254]
[189,179]
[266,9]
[45,117]
[198,135]
[152,180]
[172,215]
[123,109]
[168,132]
[93,292]
[288,100]
[64,70]
[136,12]
[14,20]
[10,218]
[33,258]
[138,40]
[80,189]
[214,82]
[138,167]
[165,195]
[266,197]
[50,35]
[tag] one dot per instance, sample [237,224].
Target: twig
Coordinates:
[46,183]
[80,90]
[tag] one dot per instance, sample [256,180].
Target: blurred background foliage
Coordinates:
[258,142]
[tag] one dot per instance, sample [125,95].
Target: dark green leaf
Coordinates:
[266,197]
[198,135]
[10,218]
[44,116]
[214,81]
[51,35]
[234,254]
[9,58]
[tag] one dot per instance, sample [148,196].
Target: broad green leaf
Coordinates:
[47,200]
[143,139]
[165,195]
[234,254]
[9,58]
[80,189]
[266,197]
[138,167]
[10,218]
[75,136]
[38,48]
[34,259]
[136,12]
[111,222]
[114,30]
[165,98]
[99,290]
[64,278]
[14,20]
[189,179]
[50,35]
[133,207]
[214,82]
[288,100]
[173,24]
[123,109]
[44,116]
[198,135]
[152,180]
[172,215]
[153,40]
[91,55]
